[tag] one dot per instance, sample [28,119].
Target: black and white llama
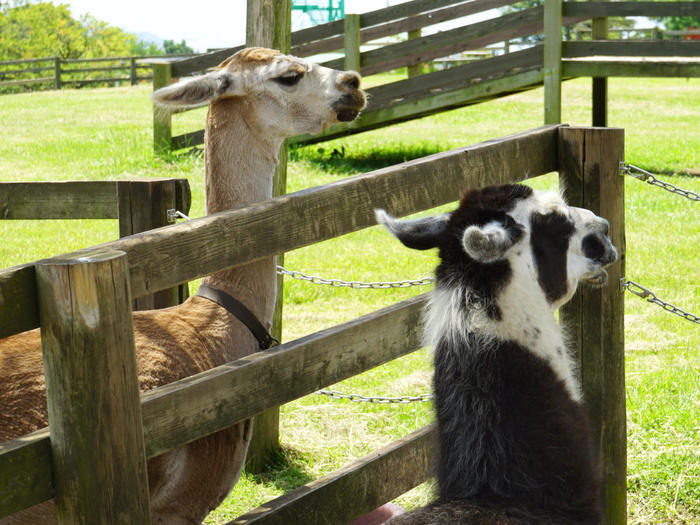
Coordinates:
[514,437]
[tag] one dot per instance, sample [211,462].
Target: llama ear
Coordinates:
[487,243]
[199,90]
[419,234]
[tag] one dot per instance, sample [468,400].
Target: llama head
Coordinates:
[503,233]
[284,95]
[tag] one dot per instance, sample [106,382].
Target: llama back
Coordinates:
[510,435]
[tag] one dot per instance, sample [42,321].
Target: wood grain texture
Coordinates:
[447,42]
[92,389]
[369,481]
[589,174]
[661,48]
[552,61]
[162,258]
[27,473]
[606,9]
[623,68]
[204,403]
[58,200]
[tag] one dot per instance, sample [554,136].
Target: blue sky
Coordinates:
[203,24]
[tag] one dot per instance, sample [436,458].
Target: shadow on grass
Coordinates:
[285,470]
[351,160]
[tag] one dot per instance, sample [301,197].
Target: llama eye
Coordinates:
[289,79]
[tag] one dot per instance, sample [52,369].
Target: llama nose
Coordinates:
[349,79]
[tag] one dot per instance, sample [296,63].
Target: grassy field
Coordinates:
[106,134]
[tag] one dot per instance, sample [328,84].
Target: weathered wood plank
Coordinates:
[411,108]
[19,310]
[622,68]
[223,395]
[606,9]
[97,448]
[661,48]
[269,25]
[370,481]
[58,200]
[143,206]
[181,68]
[165,257]
[26,469]
[204,403]
[552,61]
[589,159]
[351,43]
[448,42]
[162,120]
[403,25]
[450,79]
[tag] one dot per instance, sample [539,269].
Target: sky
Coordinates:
[211,24]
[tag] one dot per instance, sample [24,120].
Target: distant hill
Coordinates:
[151,38]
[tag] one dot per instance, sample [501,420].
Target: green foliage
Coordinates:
[680,23]
[173,48]
[34,30]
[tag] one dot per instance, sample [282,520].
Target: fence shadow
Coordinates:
[348,161]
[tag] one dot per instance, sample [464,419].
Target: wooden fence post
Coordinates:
[132,70]
[57,72]
[268,24]
[162,120]
[416,69]
[599,31]
[552,61]
[352,42]
[143,206]
[92,389]
[589,173]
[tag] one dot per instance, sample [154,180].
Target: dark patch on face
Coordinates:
[593,248]
[480,207]
[348,106]
[550,236]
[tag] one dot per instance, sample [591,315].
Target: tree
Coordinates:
[171,48]
[41,29]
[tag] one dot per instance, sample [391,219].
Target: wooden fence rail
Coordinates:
[65,71]
[195,406]
[139,205]
[477,81]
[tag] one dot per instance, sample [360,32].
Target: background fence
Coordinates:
[525,66]
[33,466]
[56,72]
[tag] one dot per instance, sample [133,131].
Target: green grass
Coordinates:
[106,134]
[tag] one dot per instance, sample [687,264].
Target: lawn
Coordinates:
[106,134]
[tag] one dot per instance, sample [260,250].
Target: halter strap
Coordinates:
[239,310]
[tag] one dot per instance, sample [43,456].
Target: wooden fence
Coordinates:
[38,466]
[56,72]
[473,82]
[138,205]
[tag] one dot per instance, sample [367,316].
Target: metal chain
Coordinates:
[357,398]
[337,283]
[639,290]
[647,177]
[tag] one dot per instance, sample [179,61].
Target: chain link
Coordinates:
[357,398]
[649,178]
[639,290]
[338,283]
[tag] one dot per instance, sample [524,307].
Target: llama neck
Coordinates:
[525,318]
[240,165]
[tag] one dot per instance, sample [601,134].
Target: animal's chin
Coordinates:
[599,279]
[346,114]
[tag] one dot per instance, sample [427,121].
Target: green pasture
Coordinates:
[106,134]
